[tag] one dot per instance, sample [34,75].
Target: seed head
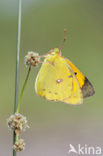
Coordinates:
[17,122]
[32,59]
[19,145]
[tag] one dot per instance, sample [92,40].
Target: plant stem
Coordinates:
[18,55]
[17,66]
[22,91]
[18,105]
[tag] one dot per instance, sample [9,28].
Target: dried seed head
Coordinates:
[19,145]
[17,122]
[32,59]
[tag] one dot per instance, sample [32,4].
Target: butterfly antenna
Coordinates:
[64,38]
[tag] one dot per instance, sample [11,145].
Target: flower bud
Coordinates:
[19,145]
[32,59]
[17,122]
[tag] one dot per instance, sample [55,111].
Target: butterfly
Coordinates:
[60,80]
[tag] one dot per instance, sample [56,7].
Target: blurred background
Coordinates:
[53,126]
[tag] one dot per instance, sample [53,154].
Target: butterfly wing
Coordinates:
[85,84]
[56,81]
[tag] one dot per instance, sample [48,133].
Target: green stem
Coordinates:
[18,106]
[14,140]
[22,91]
[17,67]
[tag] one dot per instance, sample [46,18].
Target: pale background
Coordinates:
[53,126]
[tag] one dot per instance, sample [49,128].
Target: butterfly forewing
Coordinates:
[85,84]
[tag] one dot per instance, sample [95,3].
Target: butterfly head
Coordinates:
[55,51]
